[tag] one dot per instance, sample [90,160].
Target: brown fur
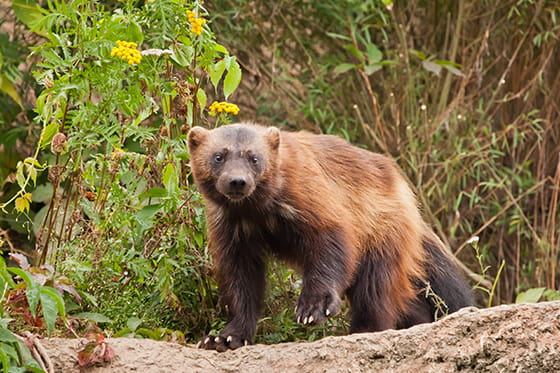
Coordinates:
[345,217]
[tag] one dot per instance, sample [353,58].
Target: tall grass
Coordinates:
[465,95]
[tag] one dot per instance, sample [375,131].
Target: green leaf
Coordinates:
[26,276]
[170,179]
[7,87]
[124,332]
[182,55]
[373,53]
[32,174]
[452,67]
[145,216]
[135,32]
[166,104]
[216,72]
[52,305]
[199,238]
[29,13]
[20,177]
[370,69]
[201,97]
[93,316]
[5,275]
[339,36]
[431,66]
[7,336]
[220,48]
[530,296]
[144,114]
[10,136]
[551,294]
[33,368]
[155,193]
[148,212]
[42,193]
[5,360]
[344,67]
[355,51]
[418,54]
[47,134]
[48,306]
[33,297]
[232,79]
[133,323]
[453,70]
[39,218]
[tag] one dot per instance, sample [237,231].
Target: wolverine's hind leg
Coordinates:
[370,298]
[420,311]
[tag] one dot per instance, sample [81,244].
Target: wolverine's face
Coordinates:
[231,159]
[238,164]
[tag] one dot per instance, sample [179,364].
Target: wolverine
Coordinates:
[342,216]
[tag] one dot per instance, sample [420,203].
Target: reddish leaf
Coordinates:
[20,259]
[109,352]
[95,350]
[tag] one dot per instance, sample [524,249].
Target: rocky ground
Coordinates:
[520,338]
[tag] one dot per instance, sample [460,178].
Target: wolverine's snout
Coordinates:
[237,182]
[236,187]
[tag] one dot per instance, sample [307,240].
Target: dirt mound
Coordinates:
[520,338]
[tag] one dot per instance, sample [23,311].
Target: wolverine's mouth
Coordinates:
[235,196]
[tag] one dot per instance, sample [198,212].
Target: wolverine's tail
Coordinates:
[447,290]
[443,291]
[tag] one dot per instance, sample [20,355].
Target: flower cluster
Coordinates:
[196,23]
[127,51]
[223,107]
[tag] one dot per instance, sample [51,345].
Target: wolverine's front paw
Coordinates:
[221,343]
[315,309]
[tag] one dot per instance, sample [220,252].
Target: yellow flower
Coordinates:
[23,202]
[126,50]
[223,107]
[196,23]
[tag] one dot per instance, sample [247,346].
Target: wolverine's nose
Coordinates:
[237,182]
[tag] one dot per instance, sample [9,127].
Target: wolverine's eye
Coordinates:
[218,157]
[254,159]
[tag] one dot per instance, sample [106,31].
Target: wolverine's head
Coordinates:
[231,161]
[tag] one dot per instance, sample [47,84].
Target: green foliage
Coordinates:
[41,290]
[15,355]
[530,296]
[106,192]
[96,168]
[10,55]
[535,295]
[27,302]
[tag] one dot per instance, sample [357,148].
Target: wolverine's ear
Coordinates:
[272,136]
[197,135]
